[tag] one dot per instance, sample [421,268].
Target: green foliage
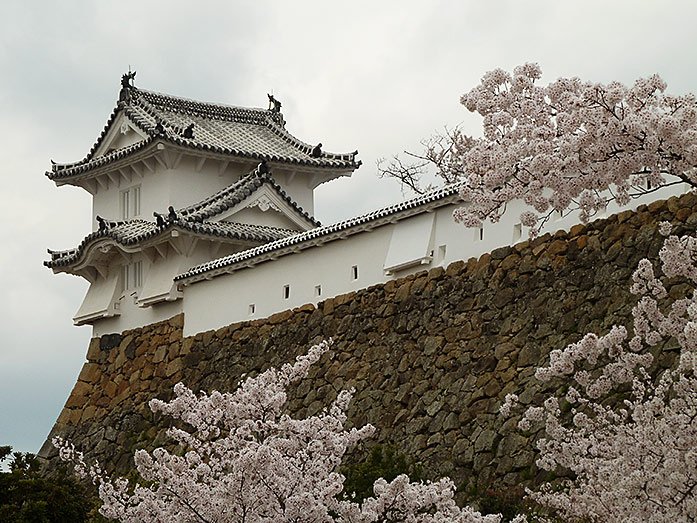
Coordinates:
[381,462]
[28,496]
[507,502]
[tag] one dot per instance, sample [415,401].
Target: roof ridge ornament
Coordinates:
[274,104]
[263,167]
[126,86]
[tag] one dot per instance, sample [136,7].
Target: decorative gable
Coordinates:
[122,133]
[267,207]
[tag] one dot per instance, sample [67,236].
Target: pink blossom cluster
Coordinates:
[629,439]
[571,144]
[244,460]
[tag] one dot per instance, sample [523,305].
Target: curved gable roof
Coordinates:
[235,131]
[194,219]
[133,232]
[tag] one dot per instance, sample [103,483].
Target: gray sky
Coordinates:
[377,76]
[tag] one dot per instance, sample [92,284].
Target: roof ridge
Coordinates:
[209,109]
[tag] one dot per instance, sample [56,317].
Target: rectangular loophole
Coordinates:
[286,292]
[318,290]
[252,308]
[517,232]
[354,272]
[441,253]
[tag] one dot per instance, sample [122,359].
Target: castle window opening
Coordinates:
[129,200]
[318,290]
[286,292]
[354,272]
[252,308]
[132,275]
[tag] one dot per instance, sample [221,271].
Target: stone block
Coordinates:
[109,341]
[90,373]
[455,268]
[94,350]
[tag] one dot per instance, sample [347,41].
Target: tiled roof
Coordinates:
[237,192]
[290,244]
[132,232]
[223,129]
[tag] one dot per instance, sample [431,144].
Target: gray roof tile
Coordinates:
[235,131]
[307,238]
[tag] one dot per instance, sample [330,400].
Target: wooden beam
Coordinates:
[176,248]
[137,170]
[199,164]
[90,186]
[161,249]
[89,273]
[223,165]
[123,255]
[176,160]
[161,161]
[114,178]
[102,182]
[150,254]
[192,245]
[128,177]
[149,167]
[102,270]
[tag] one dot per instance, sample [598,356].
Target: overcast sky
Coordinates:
[373,75]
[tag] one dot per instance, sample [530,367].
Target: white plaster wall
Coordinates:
[130,314]
[226,299]
[186,186]
[296,187]
[133,316]
[179,187]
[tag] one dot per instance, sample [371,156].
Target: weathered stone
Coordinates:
[94,349]
[90,372]
[109,341]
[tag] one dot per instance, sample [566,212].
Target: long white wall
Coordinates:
[258,291]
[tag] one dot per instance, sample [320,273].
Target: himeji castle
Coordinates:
[207,209]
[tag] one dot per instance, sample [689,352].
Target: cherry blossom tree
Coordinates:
[633,460]
[568,145]
[244,460]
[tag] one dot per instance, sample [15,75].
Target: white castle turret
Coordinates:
[177,183]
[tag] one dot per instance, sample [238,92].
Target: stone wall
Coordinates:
[431,355]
